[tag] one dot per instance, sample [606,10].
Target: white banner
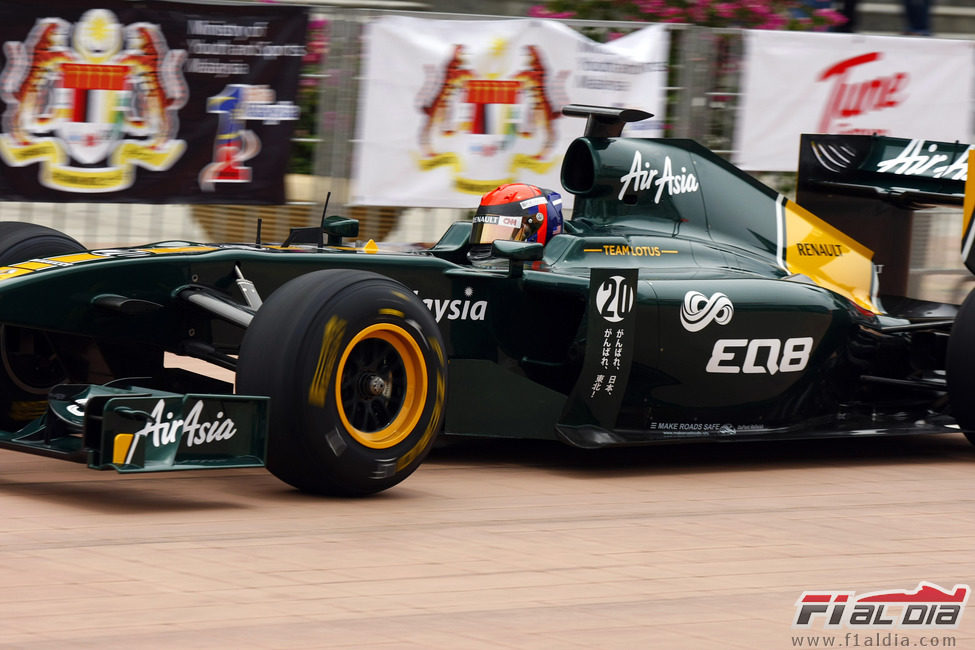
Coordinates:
[796,83]
[451,109]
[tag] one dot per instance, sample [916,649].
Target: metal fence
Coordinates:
[702,102]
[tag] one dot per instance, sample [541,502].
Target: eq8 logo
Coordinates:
[759,356]
[614,298]
[927,606]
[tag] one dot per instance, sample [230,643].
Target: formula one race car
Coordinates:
[684,300]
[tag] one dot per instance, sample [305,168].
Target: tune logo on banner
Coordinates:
[849,98]
[795,83]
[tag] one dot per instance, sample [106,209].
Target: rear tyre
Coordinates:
[354,365]
[29,367]
[960,367]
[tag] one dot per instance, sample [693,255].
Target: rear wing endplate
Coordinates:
[604,121]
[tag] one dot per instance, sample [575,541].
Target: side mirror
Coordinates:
[337,227]
[455,243]
[517,253]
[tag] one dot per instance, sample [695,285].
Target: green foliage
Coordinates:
[303,152]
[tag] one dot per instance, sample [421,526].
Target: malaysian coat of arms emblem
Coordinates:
[493,121]
[92,101]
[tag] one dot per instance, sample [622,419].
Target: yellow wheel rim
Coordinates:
[381,386]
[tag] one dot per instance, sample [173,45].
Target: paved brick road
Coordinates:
[488,545]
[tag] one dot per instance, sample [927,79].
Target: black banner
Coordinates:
[611,332]
[150,102]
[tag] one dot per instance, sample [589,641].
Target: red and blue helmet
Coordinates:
[517,212]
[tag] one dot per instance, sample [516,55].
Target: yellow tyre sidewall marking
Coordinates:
[414,398]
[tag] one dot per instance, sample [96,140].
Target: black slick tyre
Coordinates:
[355,368]
[20,242]
[960,367]
[28,366]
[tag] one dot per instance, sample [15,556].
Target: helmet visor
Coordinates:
[490,227]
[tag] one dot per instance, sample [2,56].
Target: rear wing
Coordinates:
[868,186]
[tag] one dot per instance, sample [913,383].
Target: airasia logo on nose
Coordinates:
[850,98]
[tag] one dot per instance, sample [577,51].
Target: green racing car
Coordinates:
[684,300]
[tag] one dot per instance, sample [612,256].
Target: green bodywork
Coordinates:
[590,341]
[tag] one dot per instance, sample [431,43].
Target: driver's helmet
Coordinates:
[516,212]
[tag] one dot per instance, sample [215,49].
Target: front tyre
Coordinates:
[354,365]
[29,367]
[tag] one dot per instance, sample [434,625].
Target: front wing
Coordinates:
[133,429]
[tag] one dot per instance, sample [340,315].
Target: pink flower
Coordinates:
[765,14]
[698,14]
[539,11]
[773,22]
[651,6]
[725,10]
[830,16]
